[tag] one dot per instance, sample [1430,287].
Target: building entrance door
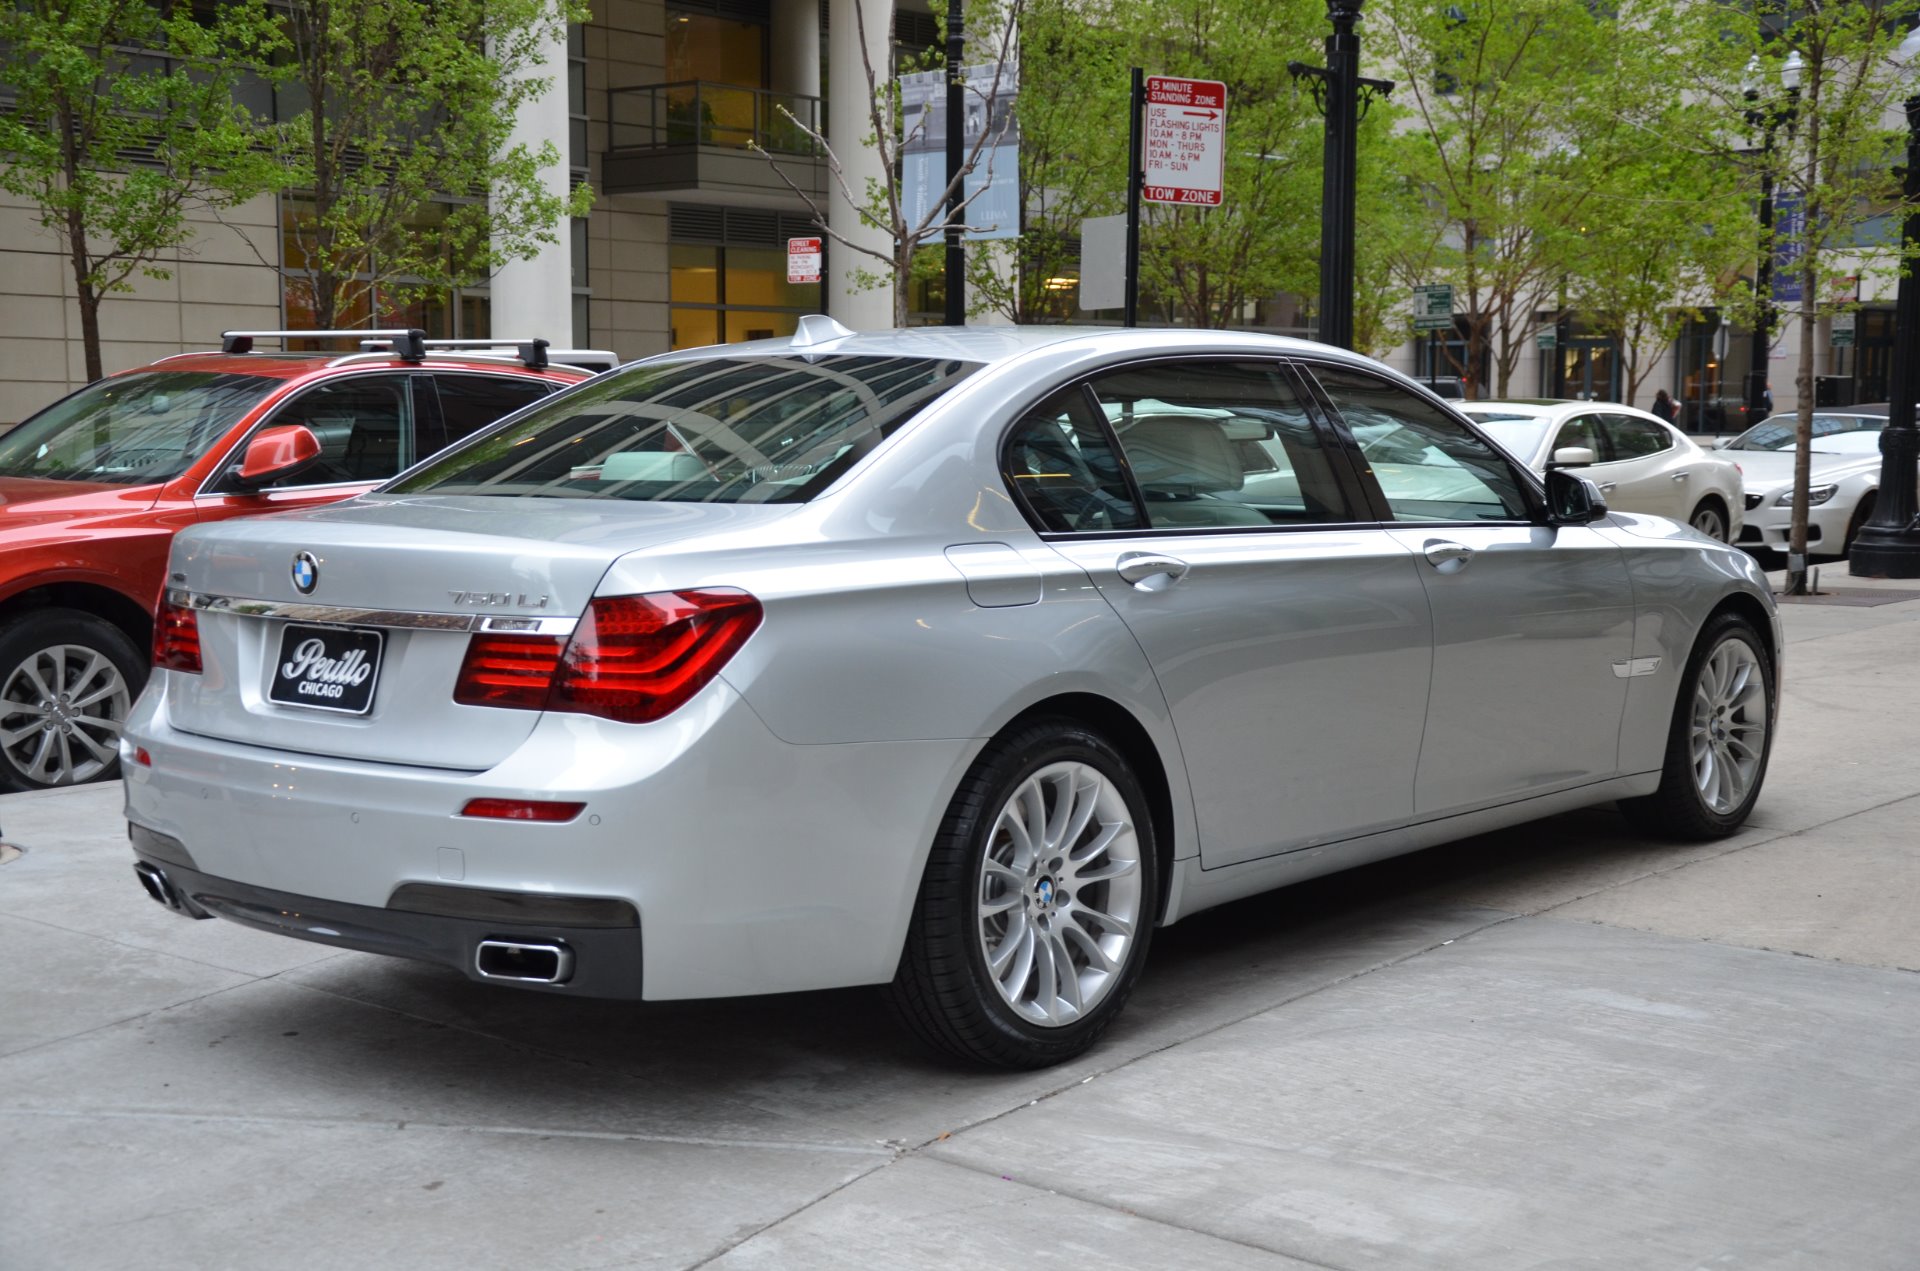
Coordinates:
[1589,370]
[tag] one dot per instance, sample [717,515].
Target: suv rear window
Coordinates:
[715,430]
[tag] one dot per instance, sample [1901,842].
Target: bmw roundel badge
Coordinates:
[306,573]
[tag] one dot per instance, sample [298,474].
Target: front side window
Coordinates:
[1636,438]
[1584,432]
[715,430]
[365,427]
[132,429]
[1221,445]
[1430,467]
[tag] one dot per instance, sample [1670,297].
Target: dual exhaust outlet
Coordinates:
[520,961]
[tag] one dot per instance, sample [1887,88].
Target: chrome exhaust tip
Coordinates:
[156,885]
[527,962]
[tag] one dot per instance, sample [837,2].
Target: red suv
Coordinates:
[93,487]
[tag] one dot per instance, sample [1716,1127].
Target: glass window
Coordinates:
[131,429]
[1430,468]
[693,275]
[759,278]
[1220,444]
[365,427]
[715,430]
[1059,463]
[469,403]
[1635,438]
[1582,431]
[719,50]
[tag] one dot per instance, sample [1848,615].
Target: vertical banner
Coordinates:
[1789,247]
[923,158]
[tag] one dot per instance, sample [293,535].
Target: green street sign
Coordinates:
[1843,324]
[1546,339]
[1433,307]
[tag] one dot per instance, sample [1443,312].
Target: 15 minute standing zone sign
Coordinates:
[1183,141]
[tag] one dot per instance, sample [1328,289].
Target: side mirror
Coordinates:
[1572,500]
[274,453]
[1572,457]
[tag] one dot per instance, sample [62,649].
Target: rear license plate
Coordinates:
[326,668]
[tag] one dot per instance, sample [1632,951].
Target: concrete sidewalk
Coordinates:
[1558,1046]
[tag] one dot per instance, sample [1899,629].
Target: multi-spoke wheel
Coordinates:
[1720,738]
[67,682]
[1710,518]
[1037,904]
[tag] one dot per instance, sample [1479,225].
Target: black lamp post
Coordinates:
[1342,95]
[1767,118]
[1888,545]
[956,270]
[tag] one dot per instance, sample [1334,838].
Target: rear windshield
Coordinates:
[1851,432]
[718,430]
[131,429]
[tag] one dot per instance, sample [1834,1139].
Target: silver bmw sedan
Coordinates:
[954,661]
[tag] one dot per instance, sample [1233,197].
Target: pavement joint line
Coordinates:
[399,1126]
[162,953]
[729,1246]
[134,1019]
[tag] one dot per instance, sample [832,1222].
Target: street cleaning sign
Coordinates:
[1184,141]
[803,260]
[1433,307]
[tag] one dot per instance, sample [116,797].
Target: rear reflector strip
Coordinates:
[521,810]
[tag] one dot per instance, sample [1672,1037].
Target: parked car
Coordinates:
[1842,483]
[93,488]
[951,660]
[1639,463]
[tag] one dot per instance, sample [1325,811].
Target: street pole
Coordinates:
[956,149]
[1337,176]
[1342,96]
[1136,103]
[1888,545]
[1762,281]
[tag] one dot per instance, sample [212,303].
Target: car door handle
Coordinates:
[1447,557]
[1681,476]
[1607,487]
[1148,571]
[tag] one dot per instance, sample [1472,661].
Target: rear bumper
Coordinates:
[600,939]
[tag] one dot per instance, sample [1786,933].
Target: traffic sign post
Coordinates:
[1176,153]
[803,260]
[1185,136]
[1433,307]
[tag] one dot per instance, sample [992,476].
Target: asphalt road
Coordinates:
[1557,1046]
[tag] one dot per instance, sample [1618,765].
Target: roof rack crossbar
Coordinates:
[408,342]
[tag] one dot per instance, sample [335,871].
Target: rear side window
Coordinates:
[709,430]
[1063,469]
[469,403]
[1430,467]
[1220,445]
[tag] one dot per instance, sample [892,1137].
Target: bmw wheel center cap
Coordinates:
[306,573]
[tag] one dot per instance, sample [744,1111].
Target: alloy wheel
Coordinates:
[1709,520]
[1729,725]
[62,709]
[1059,894]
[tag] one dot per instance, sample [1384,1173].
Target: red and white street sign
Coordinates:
[803,260]
[1184,141]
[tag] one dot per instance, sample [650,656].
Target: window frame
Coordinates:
[217,485]
[1531,488]
[1339,448]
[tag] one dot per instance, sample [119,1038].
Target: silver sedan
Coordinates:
[953,661]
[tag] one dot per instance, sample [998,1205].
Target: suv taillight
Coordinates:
[631,658]
[176,634]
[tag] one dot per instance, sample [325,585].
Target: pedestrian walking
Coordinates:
[1665,407]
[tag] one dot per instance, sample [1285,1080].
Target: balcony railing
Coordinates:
[698,113]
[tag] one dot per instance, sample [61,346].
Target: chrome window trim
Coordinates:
[345,616]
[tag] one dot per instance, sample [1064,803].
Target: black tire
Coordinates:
[943,992]
[1720,528]
[1678,809]
[39,647]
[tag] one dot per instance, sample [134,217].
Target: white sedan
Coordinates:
[1639,463]
[1843,481]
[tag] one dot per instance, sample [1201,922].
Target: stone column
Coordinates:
[534,297]
[796,47]
[848,125]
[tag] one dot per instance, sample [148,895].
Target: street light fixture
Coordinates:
[1888,545]
[1767,118]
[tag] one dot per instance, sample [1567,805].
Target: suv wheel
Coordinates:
[67,683]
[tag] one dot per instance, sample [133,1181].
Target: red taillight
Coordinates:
[522,809]
[631,658]
[639,658]
[176,636]
[508,670]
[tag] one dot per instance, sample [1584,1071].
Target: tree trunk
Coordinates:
[77,254]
